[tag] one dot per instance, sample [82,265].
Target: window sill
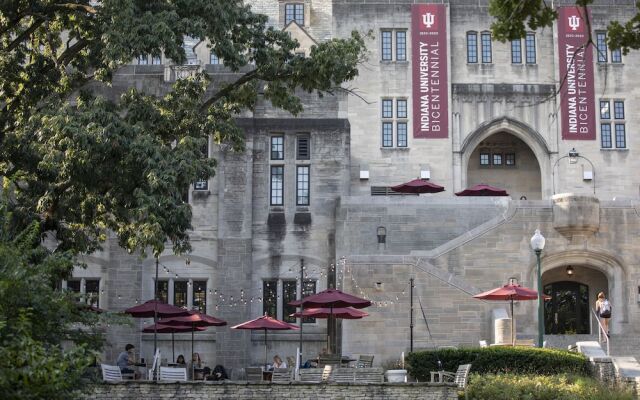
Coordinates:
[615,149]
[395,148]
[403,63]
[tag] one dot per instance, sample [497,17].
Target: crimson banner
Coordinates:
[430,77]
[577,95]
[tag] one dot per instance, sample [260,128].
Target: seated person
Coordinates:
[181,361]
[199,370]
[218,374]
[314,363]
[126,359]
[278,363]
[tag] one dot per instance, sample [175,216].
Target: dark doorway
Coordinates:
[567,313]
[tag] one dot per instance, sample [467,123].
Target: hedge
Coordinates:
[518,360]
[539,387]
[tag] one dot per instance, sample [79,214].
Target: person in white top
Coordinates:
[278,363]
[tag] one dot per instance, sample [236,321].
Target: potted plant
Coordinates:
[394,371]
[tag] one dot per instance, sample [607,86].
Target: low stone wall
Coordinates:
[244,390]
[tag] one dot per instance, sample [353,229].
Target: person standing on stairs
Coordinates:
[603,309]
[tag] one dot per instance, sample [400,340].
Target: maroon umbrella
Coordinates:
[342,312]
[153,308]
[331,298]
[483,190]
[194,320]
[418,186]
[266,323]
[160,328]
[510,291]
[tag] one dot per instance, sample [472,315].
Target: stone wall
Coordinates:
[209,390]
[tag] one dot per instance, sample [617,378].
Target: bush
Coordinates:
[537,387]
[518,360]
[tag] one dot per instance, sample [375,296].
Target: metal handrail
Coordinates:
[601,331]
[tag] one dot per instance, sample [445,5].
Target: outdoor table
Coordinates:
[437,374]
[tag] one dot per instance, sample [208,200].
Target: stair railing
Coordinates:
[601,332]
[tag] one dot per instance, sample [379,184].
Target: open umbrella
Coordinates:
[266,323]
[155,309]
[160,328]
[195,319]
[323,312]
[483,190]
[418,186]
[332,299]
[510,291]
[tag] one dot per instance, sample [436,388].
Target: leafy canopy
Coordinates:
[83,165]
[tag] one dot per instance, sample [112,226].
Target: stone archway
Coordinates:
[527,136]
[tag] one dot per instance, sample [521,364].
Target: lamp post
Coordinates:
[537,244]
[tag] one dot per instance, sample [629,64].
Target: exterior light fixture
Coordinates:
[570,270]
[537,244]
[382,234]
[573,156]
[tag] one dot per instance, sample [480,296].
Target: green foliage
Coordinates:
[83,166]
[518,360]
[537,387]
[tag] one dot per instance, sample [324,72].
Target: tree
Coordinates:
[513,18]
[83,165]
[77,166]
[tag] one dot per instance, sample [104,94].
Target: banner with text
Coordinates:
[577,95]
[430,77]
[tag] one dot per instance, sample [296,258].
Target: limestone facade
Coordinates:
[352,235]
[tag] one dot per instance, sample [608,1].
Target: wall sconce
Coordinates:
[513,281]
[382,234]
[570,270]
[573,156]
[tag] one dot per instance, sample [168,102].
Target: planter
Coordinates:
[396,375]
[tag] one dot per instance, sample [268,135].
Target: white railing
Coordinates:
[601,332]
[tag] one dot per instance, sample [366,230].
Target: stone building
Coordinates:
[548,122]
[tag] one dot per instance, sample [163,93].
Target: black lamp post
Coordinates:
[537,244]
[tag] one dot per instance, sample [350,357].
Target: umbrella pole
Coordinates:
[193,328]
[513,322]
[155,313]
[173,347]
[265,350]
[301,309]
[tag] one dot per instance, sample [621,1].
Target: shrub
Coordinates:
[518,360]
[539,387]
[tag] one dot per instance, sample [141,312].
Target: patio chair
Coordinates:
[364,361]
[281,375]
[342,375]
[460,377]
[329,359]
[254,374]
[369,375]
[168,374]
[111,373]
[483,343]
[311,375]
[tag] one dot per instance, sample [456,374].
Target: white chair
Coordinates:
[155,365]
[483,343]
[111,373]
[173,374]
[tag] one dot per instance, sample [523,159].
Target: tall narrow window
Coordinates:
[309,288]
[401,45]
[621,140]
[401,128]
[213,59]
[143,60]
[486,47]
[472,47]
[618,115]
[156,60]
[605,112]
[277,147]
[92,292]
[289,293]
[387,134]
[277,189]
[180,293]
[516,51]
[605,136]
[163,291]
[294,12]
[401,107]
[270,297]
[302,185]
[387,108]
[530,48]
[618,109]
[616,56]
[601,46]
[199,299]
[303,151]
[387,47]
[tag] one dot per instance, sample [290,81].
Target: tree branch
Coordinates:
[75,7]
[35,25]
[249,76]
[67,55]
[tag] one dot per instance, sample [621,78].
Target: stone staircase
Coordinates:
[620,346]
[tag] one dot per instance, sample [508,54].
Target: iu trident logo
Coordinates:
[428,19]
[574,22]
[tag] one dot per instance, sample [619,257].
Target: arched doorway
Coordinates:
[505,161]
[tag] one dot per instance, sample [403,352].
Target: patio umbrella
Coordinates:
[331,298]
[266,323]
[418,186]
[510,291]
[483,190]
[155,309]
[323,312]
[160,328]
[194,320]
